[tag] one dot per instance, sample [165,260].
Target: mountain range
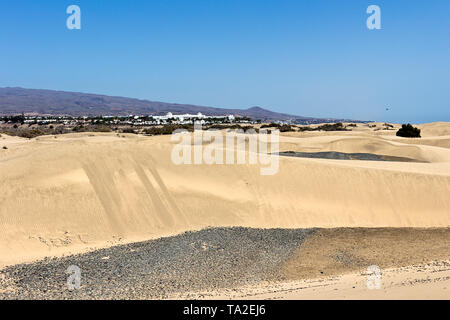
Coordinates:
[49,102]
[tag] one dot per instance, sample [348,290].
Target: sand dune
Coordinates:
[398,147]
[76,192]
[435,129]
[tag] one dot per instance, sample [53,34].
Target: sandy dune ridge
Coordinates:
[77,192]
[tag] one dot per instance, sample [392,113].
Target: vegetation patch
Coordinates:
[408,131]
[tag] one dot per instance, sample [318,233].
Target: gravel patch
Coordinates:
[211,259]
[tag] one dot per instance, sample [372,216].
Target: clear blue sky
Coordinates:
[312,58]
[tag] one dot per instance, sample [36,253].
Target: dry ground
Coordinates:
[76,193]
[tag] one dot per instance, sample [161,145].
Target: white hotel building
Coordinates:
[187,118]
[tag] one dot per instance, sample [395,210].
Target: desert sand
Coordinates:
[416,282]
[75,193]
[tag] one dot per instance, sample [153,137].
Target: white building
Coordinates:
[188,118]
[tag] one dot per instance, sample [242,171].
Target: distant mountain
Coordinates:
[49,102]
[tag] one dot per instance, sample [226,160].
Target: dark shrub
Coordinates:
[101,128]
[224,126]
[408,131]
[128,130]
[302,129]
[286,128]
[167,129]
[332,127]
[79,128]
[29,134]
[281,127]
[270,125]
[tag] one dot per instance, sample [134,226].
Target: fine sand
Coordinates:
[77,193]
[428,281]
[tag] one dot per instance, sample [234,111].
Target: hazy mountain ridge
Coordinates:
[38,101]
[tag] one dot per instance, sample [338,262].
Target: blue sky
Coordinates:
[312,58]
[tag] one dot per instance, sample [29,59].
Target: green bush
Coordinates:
[270,125]
[332,127]
[302,129]
[286,128]
[167,129]
[408,131]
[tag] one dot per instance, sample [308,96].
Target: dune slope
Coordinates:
[76,192]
